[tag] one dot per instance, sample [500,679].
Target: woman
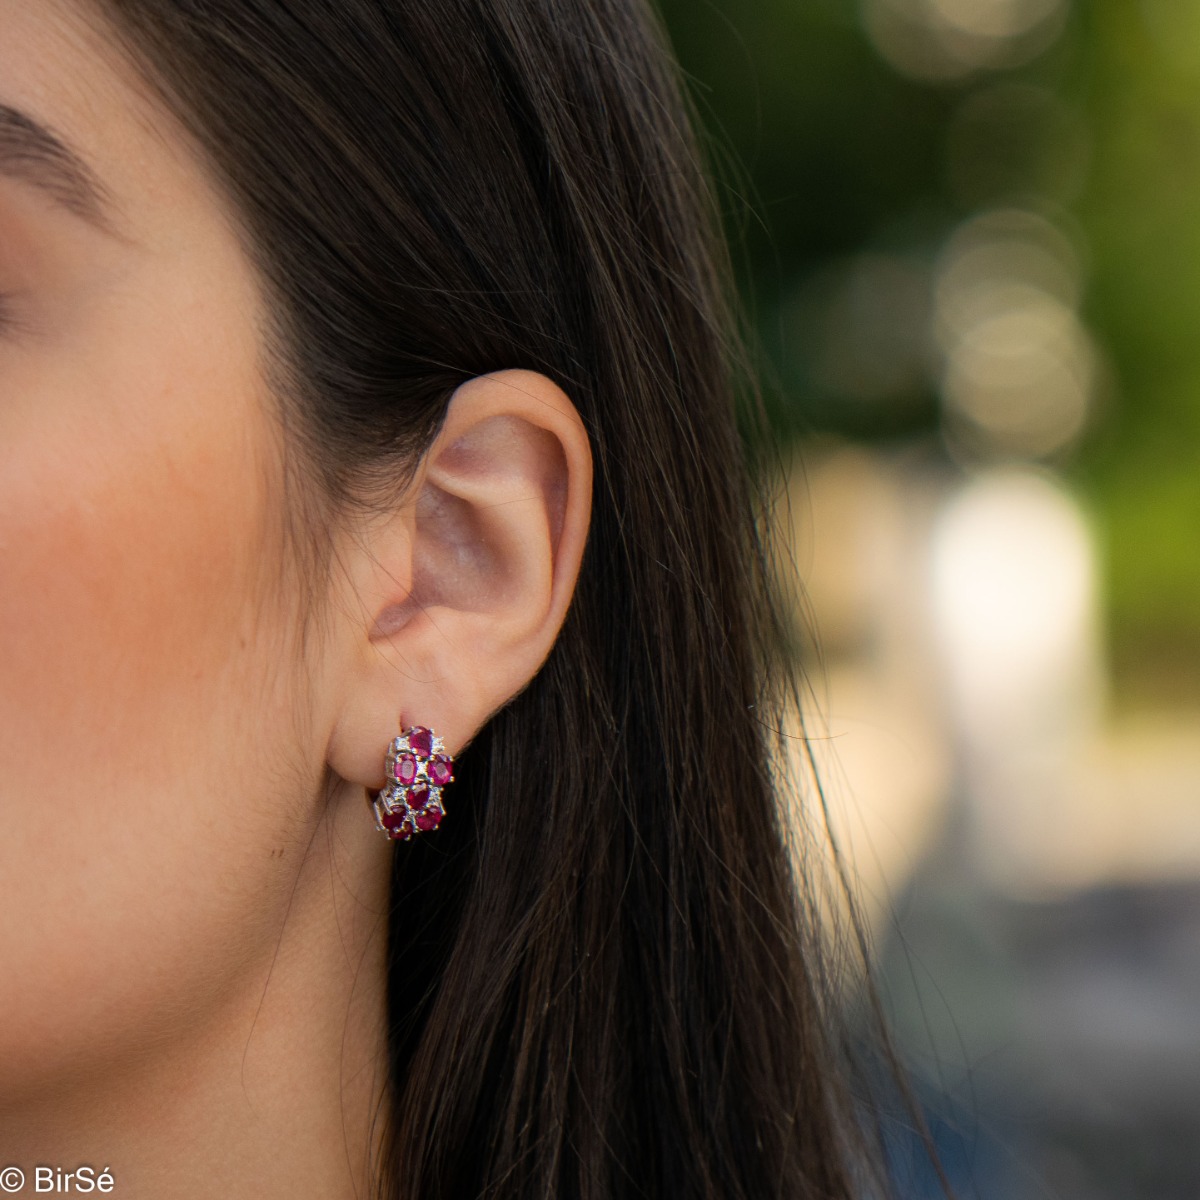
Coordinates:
[364,371]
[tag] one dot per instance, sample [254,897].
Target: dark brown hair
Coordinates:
[605,980]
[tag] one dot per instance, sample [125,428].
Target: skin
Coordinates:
[192,993]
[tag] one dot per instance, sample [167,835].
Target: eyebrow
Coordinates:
[31,153]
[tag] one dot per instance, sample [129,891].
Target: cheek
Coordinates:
[120,579]
[143,702]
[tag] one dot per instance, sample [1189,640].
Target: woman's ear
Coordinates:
[459,595]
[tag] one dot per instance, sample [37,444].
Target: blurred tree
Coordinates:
[1142,215]
[847,160]
[819,146]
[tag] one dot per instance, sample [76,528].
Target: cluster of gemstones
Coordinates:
[418,767]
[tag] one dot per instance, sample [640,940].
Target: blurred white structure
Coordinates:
[962,670]
[1014,607]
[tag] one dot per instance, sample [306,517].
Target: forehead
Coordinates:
[61,67]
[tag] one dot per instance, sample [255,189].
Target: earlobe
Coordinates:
[469,584]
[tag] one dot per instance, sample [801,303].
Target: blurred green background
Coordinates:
[851,140]
[968,234]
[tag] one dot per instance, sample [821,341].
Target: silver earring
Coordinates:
[417,768]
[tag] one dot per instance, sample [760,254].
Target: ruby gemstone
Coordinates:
[430,818]
[393,820]
[439,770]
[405,769]
[420,741]
[418,798]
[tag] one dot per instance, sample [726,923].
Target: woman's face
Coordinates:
[154,733]
[194,928]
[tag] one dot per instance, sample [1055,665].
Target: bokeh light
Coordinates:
[1020,369]
[948,39]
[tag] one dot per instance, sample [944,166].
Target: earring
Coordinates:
[417,768]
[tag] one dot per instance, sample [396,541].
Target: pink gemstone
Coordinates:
[430,818]
[420,741]
[439,770]
[393,820]
[418,798]
[405,769]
